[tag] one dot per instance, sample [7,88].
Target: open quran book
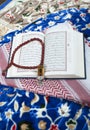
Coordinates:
[63,57]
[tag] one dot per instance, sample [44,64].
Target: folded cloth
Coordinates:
[17,14]
[76,90]
[80,20]
[14,16]
[22,109]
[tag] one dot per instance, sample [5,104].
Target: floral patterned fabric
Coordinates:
[23,110]
[19,13]
[79,19]
[16,14]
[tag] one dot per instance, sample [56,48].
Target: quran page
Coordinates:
[58,53]
[61,53]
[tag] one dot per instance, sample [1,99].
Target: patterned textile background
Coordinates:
[79,18]
[18,13]
[77,90]
[21,109]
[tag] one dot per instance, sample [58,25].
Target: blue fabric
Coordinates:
[80,20]
[20,107]
[4,4]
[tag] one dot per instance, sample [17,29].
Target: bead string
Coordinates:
[21,45]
